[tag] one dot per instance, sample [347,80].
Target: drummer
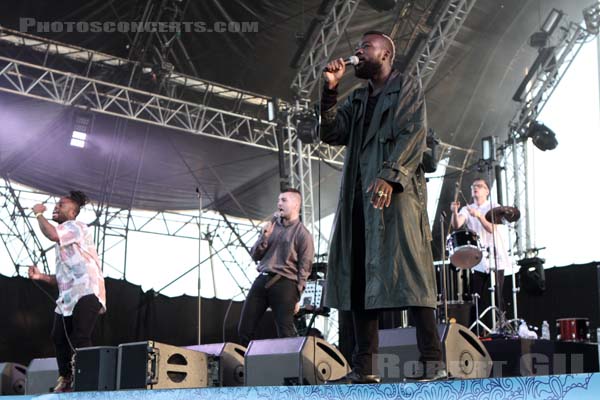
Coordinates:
[472,217]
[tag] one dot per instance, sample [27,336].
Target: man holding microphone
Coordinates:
[284,252]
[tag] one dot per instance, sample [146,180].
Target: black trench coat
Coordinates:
[399,264]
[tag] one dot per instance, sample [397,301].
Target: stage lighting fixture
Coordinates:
[533,278]
[591,16]
[552,21]
[539,39]
[543,138]
[272,109]
[488,148]
[81,128]
[78,139]
[307,127]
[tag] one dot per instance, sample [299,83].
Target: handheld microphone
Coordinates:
[276,217]
[352,60]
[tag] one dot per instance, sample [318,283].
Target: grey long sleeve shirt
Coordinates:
[288,251]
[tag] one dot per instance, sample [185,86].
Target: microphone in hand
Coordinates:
[352,60]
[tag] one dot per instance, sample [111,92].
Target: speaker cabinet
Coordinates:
[42,374]
[95,369]
[230,357]
[12,379]
[464,354]
[293,361]
[154,365]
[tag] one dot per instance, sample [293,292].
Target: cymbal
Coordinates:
[503,213]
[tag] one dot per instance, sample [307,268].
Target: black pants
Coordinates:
[366,322]
[281,297]
[79,327]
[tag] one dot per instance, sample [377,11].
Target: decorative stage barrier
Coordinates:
[13,379]
[230,358]
[96,368]
[154,365]
[464,354]
[42,374]
[293,361]
[563,387]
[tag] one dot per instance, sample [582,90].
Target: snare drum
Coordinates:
[573,329]
[464,248]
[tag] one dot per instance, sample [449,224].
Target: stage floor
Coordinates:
[577,387]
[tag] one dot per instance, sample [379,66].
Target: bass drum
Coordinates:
[573,329]
[464,249]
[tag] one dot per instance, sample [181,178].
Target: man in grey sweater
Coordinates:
[284,252]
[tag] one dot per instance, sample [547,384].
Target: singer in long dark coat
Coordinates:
[399,266]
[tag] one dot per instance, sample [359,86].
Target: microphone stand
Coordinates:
[444,277]
[501,326]
[199,261]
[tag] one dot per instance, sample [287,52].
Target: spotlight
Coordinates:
[307,127]
[539,39]
[81,128]
[552,21]
[272,109]
[488,148]
[543,138]
[591,16]
[533,278]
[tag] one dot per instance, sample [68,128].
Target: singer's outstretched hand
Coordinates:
[334,71]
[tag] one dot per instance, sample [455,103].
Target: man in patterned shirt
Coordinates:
[81,293]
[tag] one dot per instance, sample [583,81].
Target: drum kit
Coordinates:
[466,251]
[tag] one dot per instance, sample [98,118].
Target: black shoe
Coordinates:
[431,376]
[354,377]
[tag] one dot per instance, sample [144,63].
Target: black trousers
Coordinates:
[366,322]
[281,297]
[77,328]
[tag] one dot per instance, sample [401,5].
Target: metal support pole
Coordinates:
[199,264]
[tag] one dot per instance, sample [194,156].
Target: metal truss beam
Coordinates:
[16,231]
[440,38]
[87,61]
[224,236]
[566,43]
[325,42]
[238,117]
[227,239]
[546,78]
[64,88]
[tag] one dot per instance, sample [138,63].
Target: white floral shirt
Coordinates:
[78,270]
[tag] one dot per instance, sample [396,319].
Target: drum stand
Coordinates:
[515,289]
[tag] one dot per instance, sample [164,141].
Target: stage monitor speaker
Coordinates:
[42,374]
[293,361]
[96,368]
[230,357]
[464,354]
[154,365]
[13,378]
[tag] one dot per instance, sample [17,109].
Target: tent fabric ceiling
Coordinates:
[136,165]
